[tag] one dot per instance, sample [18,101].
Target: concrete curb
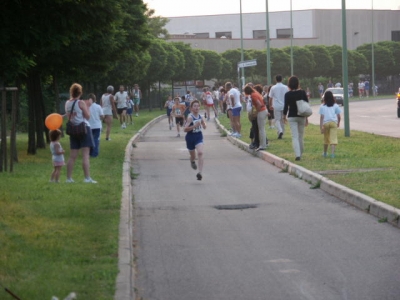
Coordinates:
[370,205]
[125,279]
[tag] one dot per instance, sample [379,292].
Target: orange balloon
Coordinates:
[53,121]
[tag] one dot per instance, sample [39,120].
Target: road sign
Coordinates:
[247,63]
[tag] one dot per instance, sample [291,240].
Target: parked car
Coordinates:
[337,93]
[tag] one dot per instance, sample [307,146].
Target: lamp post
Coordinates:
[269,81]
[345,72]
[372,49]
[291,40]
[241,46]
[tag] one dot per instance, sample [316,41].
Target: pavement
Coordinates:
[125,280]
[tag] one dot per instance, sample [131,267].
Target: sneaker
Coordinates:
[137,115]
[170,127]
[332,155]
[238,135]
[260,149]
[108,139]
[324,154]
[280,135]
[193,164]
[69,180]
[89,180]
[178,135]
[252,146]
[199,177]
[297,158]
[233,133]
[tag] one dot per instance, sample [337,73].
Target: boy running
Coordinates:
[177,112]
[194,137]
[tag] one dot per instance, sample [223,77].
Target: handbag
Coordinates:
[303,108]
[75,131]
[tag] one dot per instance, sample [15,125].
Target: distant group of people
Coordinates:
[120,105]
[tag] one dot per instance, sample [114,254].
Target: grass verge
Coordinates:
[364,162]
[59,238]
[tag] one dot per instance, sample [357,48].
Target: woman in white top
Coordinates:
[108,105]
[79,114]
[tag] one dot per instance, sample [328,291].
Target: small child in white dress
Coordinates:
[57,154]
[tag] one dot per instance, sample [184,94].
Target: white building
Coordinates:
[310,27]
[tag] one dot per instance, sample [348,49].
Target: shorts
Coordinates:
[271,115]
[330,133]
[121,110]
[236,111]
[179,121]
[169,110]
[129,111]
[136,101]
[86,141]
[193,139]
[227,112]
[210,104]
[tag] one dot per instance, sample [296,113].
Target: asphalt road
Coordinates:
[378,116]
[292,242]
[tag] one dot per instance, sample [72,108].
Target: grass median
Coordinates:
[62,238]
[364,162]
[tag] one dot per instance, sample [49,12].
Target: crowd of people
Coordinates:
[275,104]
[119,105]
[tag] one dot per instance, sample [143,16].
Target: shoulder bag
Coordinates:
[303,108]
[75,131]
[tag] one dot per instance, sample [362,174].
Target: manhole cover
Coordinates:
[235,206]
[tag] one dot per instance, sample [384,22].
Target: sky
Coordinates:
[177,8]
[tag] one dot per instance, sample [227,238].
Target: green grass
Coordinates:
[370,163]
[59,238]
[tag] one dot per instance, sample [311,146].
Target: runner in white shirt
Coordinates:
[234,96]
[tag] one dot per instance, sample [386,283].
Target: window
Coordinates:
[396,36]
[203,35]
[283,33]
[260,34]
[223,35]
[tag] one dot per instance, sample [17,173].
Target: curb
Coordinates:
[125,279]
[383,211]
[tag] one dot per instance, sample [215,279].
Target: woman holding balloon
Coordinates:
[79,114]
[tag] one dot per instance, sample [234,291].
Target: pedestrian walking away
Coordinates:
[296,122]
[329,122]
[168,105]
[194,137]
[277,102]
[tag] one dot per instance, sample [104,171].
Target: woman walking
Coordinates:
[297,123]
[109,110]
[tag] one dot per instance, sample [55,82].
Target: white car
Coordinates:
[337,93]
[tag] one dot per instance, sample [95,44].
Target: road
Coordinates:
[290,242]
[378,116]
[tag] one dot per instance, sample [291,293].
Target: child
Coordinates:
[168,105]
[57,154]
[177,111]
[329,122]
[194,137]
[129,108]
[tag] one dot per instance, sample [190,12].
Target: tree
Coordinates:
[323,61]
[156,25]
[212,64]
[336,53]
[383,57]
[303,61]
[193,63]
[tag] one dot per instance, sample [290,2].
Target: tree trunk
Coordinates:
[40,114]
[31,117]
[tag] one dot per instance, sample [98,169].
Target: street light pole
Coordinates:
[345,72]
[241,46]
[291,40]
[372,49]
[269,81]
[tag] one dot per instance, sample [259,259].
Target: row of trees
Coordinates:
[45,45]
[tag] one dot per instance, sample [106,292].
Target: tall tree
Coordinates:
[323,60]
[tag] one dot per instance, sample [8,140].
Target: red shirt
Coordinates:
[256,97]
